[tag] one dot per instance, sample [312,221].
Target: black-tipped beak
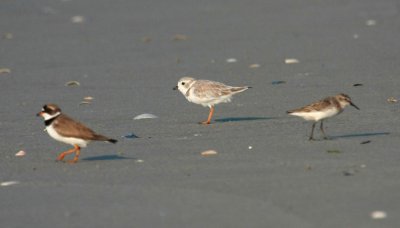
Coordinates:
[355,106]
[175,88]
[39,114]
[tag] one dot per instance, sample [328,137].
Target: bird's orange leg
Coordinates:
[63,154]
[77,153]
[209,116]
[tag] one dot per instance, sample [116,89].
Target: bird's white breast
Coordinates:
[205,101]
[317,115]
[68,140]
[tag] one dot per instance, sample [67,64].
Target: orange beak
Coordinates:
[40,114]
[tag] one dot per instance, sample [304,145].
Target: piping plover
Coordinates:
[64,129]
[207,93]
[320,110]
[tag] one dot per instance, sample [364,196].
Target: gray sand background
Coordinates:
[125,56]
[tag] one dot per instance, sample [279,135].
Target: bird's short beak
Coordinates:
[175,88]
[355,106]
[39,114]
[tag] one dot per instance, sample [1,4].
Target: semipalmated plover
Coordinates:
[320,110]
[64,129]
[207,93]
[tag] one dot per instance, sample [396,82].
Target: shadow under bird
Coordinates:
[323,109]
[207,93]
[64,129]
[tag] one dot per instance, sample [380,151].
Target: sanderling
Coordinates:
[320,110]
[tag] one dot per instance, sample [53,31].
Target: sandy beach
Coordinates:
[128,55]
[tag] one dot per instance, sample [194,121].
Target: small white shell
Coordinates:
[84,102]
[392,100]
[145,116]
[5,70]
[370,22]
[255,65]
[9,183]
[88,98]
[209,153]
[378,215]
[231,60]
[291,61]
[180,37]
[72,83]
[20,153]
[8,36]
[77,19]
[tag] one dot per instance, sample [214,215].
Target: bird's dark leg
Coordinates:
[312,132]
[322,129]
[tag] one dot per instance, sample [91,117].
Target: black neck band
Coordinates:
[49,121]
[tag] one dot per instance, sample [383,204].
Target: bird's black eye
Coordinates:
[183,83]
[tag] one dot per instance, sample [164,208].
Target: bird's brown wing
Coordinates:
[68,127]
[210,89]
[316,106]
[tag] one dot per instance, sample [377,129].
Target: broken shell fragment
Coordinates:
[378,215]
[72,83]
[254,66]
[231,60]
[88,98]
[20,153]
[209,153]
[84,103]
[145,116]
[180,37]
[146,39]
[370,22]
[9,183]
[77,19]
[392,100]
[291,61]
[8,36]
[5,71]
